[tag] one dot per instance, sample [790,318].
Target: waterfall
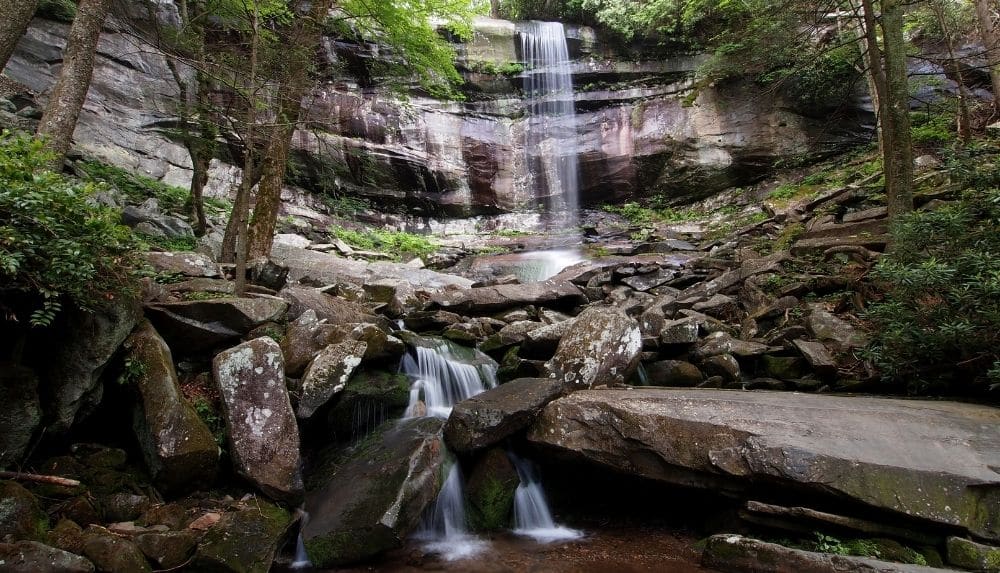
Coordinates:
[551,130]
[532,517]
[442,380]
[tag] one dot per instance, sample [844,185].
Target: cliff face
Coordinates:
[639,130]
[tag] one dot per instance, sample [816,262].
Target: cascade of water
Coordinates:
[532,517]
[551,130]
[441,380]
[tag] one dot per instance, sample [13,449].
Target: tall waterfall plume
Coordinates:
[551,133]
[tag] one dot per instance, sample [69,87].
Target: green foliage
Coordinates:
[132,371]
[209,414]
[636,214]
[397,244]
[136,188]
[54,245]
[942,304]
[496,69]
[59,10]
[932,129]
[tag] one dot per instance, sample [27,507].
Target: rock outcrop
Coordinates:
[934,462]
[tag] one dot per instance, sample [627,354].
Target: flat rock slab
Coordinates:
[490,417]
[737,554]
[936,461]
[486,300]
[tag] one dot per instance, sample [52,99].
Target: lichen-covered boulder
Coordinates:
[201,325]
[178,447]
[971,555]
[263,433]
[490,491]
[328,374]
[244,540]
[21,412]
[488,418]
[369,499]
[601,349]
[334,310]
[34,557]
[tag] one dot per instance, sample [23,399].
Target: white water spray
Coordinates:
[532,517]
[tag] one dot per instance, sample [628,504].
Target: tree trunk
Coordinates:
[988,33]
[16,17]
[964,119]
[304,40]
[868,45]
[242,208]
[67,97]
[495,8]
[898,153]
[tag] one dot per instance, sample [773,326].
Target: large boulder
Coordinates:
[328,374]
[178,447]
[72,357]
[489,418]
[490,491]
[149,220]
[334,310]
[113,553]
[370,398]
[34,557]
[21,413]
[183,263]
[839,448]
[368,500]
[601,349]
[20,515]
[201,325]
[243,540]
[263,433]
[488,300]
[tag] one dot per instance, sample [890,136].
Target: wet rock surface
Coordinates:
[489,418]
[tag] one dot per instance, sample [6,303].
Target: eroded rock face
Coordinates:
[373,498]
[486,300]
[490,417]
[601,349]
[199,326]
[845,447]
[21,413]
[328,374]
[263,433]
[178,447]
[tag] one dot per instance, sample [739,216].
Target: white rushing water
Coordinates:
[551,133]
[543,265]
[532,517]
[442,380]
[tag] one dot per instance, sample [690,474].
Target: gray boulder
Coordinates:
[178,447]
[201,325]
[488,300]
[76,356]
[112,553]
[828,327]
[334,310]
[183,263]
[20,515]
[601,349]
[34,557]
[263,433]
[831,447]
[149,220]
[328,374]
[489,418]
[968,554]
[368,500]
[21,413]
[244,540]
[674,373]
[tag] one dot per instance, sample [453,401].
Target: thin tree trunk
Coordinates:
[868,51]
[241,212]
[964,119]
[16,17]
[899,149]
[304,40]
[988,33]
[67,97]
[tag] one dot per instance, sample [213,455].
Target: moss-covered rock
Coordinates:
[370,398]
[490,491]
[113,554]
[244,540]
[367,500]
[971,555]
[168,549]
[34,557]
[20,515]
[783,367]
[66,535]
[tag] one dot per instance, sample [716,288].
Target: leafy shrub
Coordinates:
[932,130]
[938,328]
[59,10]
[137,188]
[55,246]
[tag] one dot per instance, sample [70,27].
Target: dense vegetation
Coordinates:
[57,244]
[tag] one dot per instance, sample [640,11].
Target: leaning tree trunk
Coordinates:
[67,97]
[988,33]
[16,17]
[898,155]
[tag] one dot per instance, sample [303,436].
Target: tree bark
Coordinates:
[304,40]
[988,33]
[16,17]
[964,119]
[67,97]
[898,153]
